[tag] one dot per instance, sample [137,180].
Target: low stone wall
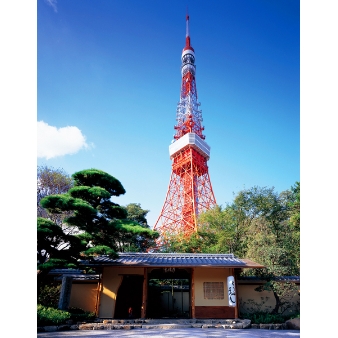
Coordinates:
[292,324]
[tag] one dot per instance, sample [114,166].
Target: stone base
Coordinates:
[162,324]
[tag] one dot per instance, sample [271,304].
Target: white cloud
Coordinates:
[54,142]
[53,4]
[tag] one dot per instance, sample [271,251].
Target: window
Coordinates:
[213,290]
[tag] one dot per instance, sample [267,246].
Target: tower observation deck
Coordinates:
[189,191]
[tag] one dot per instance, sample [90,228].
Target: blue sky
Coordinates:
[108,82]
[112,71]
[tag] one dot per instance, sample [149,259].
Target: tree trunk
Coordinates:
[278,303]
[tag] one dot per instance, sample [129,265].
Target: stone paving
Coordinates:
[179,328]
[163,324]
[174,333]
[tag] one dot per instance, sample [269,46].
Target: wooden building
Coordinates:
[157,285]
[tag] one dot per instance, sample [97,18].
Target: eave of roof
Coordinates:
[254,279]
[137,259]
[65,272]
[80,277]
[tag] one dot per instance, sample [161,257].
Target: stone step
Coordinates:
[166,324]
[149,324]
[170,321]
[163,324]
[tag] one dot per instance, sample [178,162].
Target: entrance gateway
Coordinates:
[168,294]
[166,285]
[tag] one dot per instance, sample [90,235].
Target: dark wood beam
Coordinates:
[145,294]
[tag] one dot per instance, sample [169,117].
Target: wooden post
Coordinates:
[66,289]
[192,293]
[98,296]
[144,294]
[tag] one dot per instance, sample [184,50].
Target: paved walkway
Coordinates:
[175,333]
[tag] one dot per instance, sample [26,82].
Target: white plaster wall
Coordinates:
[247,296]
[202,275]
[84,296]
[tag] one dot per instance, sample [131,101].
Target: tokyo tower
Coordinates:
[190,191]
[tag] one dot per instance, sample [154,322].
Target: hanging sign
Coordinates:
[231,291]
[172,270]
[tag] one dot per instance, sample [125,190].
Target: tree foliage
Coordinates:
[220,230]
[294,220]
[136,241]
[137,214]
[260,225]
[55,248]
[51,181]
[49,295]
[104,227]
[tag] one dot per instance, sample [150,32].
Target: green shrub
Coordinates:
[79,315]
[259,313]
[49,295]
[295,316]
[50,316]
[266,318]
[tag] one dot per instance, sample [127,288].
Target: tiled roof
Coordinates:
[65,271]
[76,274]
[80,277]
[173,260]
[294,279]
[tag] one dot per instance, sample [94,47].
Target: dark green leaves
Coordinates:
[105,227]
[91,194]
[100,250]
[98,178]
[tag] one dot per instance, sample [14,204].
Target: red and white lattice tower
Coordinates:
[190,191]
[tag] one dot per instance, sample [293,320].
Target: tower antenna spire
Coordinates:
[190,192]
[187,34]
